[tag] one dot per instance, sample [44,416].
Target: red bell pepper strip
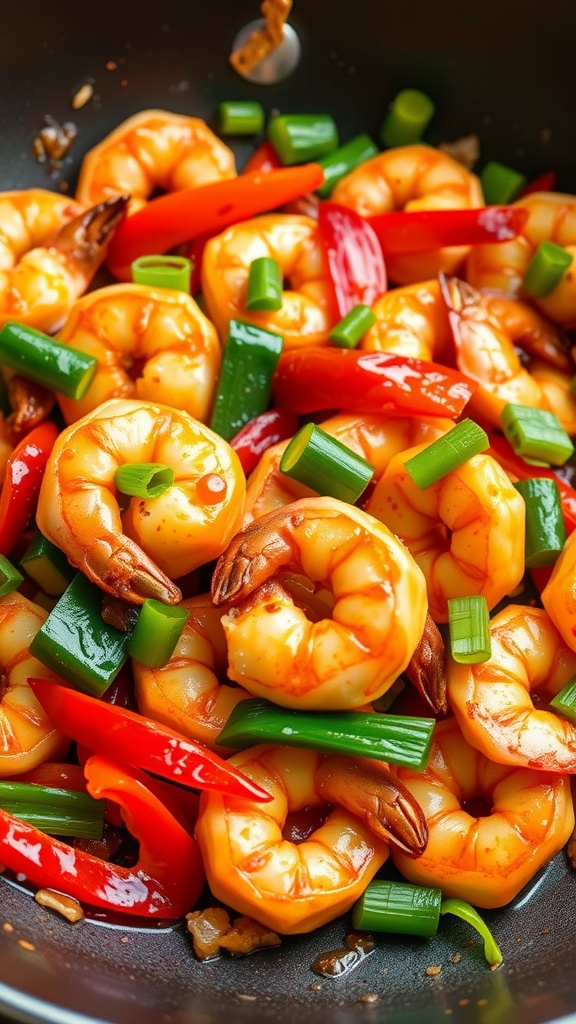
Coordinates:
[543,183]
[179,216]
[164,883]
[314,378]
[261,433]
[516,467]
[425,230]
[265,159]
[117,732]
[353,256]
[54,773]
[24,473]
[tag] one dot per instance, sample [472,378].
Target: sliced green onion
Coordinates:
[59,812]
[447,453]
[407,119]
[76,643]
[545,529]
[398,908]
[352,327]
[321,462]
[469,628]
[264,289]
[156,633]
[10,578]
[241,117]
[39,358]
[249,360]
[467,913]
[144,479]
[47,565]
[536,434]
[500,184]
[546,269]
[338,164]
[298,138]
[394,738]
[163,272]
[565,701]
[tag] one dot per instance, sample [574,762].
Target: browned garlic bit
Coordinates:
[465,150]
[64,905]
[212,931]
[82,95]
[266,40]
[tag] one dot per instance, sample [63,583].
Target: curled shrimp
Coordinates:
[411,321]
[137,553]
[153,149]
[343,660]
[412,178]
[50,249]
[559,594]
[27,736]
[294,888]
[294,242]
[486,328]
[150,343]
[525,817]
[466,531]
[492,700]
[551,218]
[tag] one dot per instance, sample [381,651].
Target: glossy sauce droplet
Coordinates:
[211,489]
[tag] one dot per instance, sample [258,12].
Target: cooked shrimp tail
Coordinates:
[85,239]
[248,563]
[426,669]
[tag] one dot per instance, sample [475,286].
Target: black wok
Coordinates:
[503,69]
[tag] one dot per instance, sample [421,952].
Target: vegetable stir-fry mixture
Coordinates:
[275,505]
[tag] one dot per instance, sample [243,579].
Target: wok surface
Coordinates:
[503,70]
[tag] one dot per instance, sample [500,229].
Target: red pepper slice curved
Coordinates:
[543,183]
[265,159]
[177,217]
[505,455]
[315,378]
[261,433]
[164,883]
[24,473]
[425,230]
[353,255]
[117,732]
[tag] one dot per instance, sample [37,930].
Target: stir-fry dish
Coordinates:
[287,532]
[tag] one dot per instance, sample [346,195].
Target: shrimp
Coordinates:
[341,661]
[412,178]
[559,594]
[150,343]
[551,218]
[411,321]
[137,553]
[186,692]
[522,819]
[294,242]
[50,249]
[153,149]
[294,888]
[492,700]
[486,328]
[27,736]
[466,531]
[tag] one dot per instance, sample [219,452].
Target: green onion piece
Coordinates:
[352,328]
[469,628]
[59,812]
[76,643]
[398,739]
[500,184]
[144,479]
[45,361]
[10,578]
[565,701]
[338,164]
[241,117]
[447,453]
[545,529]
[324,464]
[399,908]
[546,269]
[163,272]
[156,633]
[467,913]
[536,434]
[407,119]
[298,138]
[249,360]
[47,565]
[264,289]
